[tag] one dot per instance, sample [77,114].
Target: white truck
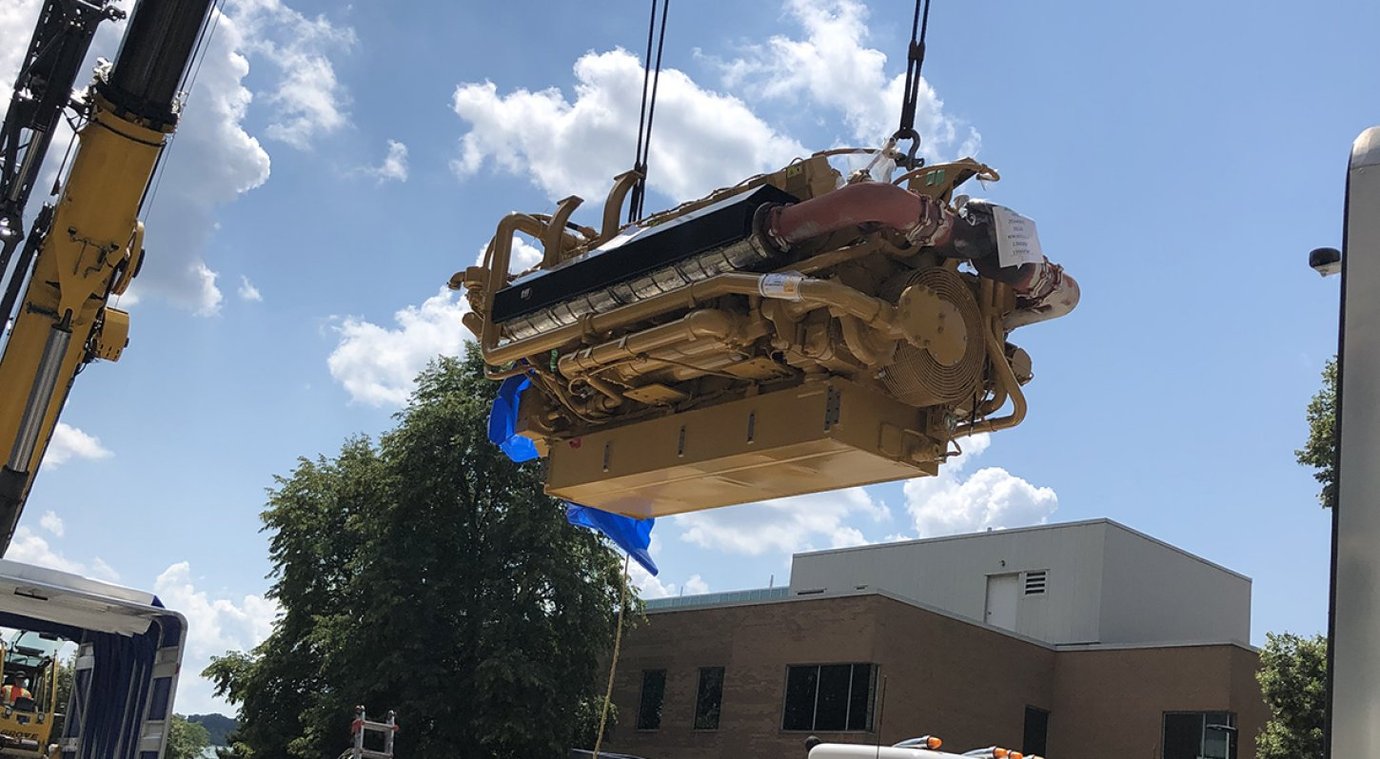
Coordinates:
[128,657]
[924,747]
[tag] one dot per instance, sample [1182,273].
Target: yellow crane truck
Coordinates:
[29,694]
[59,269]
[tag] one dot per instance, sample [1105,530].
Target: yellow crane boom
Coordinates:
[88,245]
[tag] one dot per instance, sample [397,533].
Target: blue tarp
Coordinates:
[503,421]
[632,535]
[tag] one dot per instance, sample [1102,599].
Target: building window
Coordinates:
[1200,735]
[709,698]
[1036,731]
[1035,582]
[829,697]
[653,692]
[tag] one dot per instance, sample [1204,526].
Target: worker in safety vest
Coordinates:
[15,689]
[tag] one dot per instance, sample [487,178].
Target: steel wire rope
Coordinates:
[208,32]
[915,59]
[647,111]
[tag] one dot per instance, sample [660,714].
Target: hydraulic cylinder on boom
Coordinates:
[87,246]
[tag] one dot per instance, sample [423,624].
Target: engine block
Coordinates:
[796,333]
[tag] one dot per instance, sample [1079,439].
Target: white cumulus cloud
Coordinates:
[394,166]
[212,158]
[308,99]
[656,586]
[209,296]
[784,525]
[211,161]
[989,498]
[69,443]
[947,504]
[702,139]
[17,19]
[248,291]
[831,66]
[649,587]
[377,364]
[214,626]
[51,522]
[523,257]
[30,548]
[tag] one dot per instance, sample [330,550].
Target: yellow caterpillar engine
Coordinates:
[796,333]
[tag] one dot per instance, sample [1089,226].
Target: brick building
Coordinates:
[1078,640]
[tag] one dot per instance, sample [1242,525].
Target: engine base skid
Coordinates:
[816,436]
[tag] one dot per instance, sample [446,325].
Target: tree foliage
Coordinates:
[65,671]
[186,740]
[217,725]
[430,575]
[1320,452]
[1293,680]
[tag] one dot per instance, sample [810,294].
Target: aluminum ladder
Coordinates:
[362,726]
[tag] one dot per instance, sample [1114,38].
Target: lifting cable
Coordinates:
[189,77]
[915,58]
[647,111]
[613,660]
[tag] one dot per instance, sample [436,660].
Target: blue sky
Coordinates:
[339,162]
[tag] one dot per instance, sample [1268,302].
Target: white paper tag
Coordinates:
[781,286]
[1017,240]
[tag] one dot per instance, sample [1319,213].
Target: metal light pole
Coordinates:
[1354,622]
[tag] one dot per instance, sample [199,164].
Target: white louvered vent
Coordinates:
[1035,582]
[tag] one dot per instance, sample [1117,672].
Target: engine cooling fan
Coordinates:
[936,376]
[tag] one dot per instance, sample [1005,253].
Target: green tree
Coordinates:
[218,725]
[1293,677]
[186,740]
[64,694]
[1320,452]
[319,519]
[430,575]
[236,670]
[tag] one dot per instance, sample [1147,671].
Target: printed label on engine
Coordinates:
[1018,242]
[781,286]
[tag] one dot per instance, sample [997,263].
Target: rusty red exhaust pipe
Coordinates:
[865,204]
[1043,290]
